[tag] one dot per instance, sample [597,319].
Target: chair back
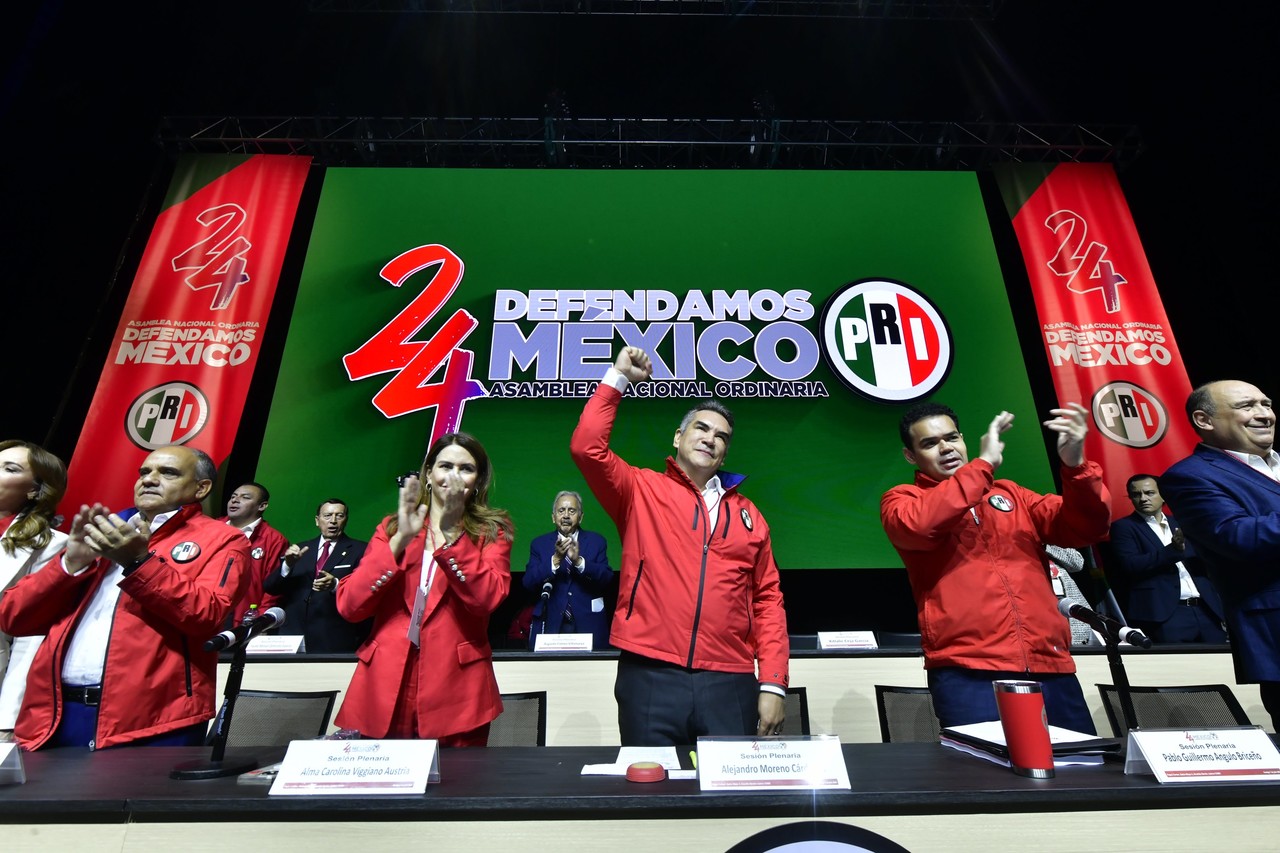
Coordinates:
[1193,706]
[897,640]
[523,721]
[906,714]
[275,717]
[797,710]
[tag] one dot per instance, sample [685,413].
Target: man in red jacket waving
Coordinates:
[699,603]
[974,551]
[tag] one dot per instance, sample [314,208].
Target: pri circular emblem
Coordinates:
[1129,414]
[1001,503]
[886,341]
[173,413]
[185,552]
[746,518]
[257,553]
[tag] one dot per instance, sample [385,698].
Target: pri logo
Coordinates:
[1129,415]
[173,413]
[886,341]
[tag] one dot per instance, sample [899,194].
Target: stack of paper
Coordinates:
[986,740]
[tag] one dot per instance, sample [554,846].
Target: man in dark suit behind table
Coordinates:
[571,566]
[307,579]
[1171,597]
[1227,497]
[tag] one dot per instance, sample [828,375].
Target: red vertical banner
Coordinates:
[184,351]
[1103,325]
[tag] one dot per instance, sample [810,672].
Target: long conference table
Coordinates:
[925,797]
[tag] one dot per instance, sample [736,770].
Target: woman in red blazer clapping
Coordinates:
[430,578]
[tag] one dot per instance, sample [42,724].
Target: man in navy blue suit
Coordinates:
[569,568]
[1227,496]
[306,584]
[1170,596]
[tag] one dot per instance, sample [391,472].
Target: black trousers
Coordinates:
[661,704]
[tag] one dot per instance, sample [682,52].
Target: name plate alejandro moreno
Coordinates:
[746,764]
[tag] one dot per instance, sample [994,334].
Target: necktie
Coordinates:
[324,556]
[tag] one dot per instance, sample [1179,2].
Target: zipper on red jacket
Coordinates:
[97,723]
[186,662]
[699,508]
[226,572]
[631,601]
[1013,605]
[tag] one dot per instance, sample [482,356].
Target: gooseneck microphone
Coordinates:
[1104,624]
[273,617]
[546,590]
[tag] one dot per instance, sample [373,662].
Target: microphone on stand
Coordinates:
[545,601]
[272,618]
[1116,630]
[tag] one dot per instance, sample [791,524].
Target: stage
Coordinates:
[925,797]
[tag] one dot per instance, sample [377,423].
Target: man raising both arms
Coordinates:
[974,551]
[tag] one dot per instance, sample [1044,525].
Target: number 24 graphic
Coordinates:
[391,348]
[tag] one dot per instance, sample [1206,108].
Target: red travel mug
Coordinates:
[1026,730]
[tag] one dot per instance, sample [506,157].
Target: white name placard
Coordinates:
[272,644]
[1203,755]
[329,767]
[769,763]
[563,643]
[828,640]
[11,770]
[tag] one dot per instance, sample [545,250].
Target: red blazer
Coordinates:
[457,688]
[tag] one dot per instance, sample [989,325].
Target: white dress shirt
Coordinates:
[87,651]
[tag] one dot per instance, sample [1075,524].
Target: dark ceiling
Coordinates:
[84,89]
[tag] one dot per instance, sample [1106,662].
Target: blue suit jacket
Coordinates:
[315,614]
[1150,568]
[571,588]
[1232,515]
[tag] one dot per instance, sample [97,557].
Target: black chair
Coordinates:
[906,715]
[797,711]
[523,721]
[897,640]
[1195,706]
[275,717]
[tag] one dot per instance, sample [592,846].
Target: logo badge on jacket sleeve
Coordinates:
[1001,503]
[185,552]
[746,518]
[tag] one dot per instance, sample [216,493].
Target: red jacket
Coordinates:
[457,690]
[974,551]
[266,546]
[699,598]
[157,677]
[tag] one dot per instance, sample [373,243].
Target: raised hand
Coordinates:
[1071,423]
[96,531]
[410,514]
[295,551]
[991,447]
[452,497]
[633,363]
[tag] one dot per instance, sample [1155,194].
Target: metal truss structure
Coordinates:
[653,143]
[915,10]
